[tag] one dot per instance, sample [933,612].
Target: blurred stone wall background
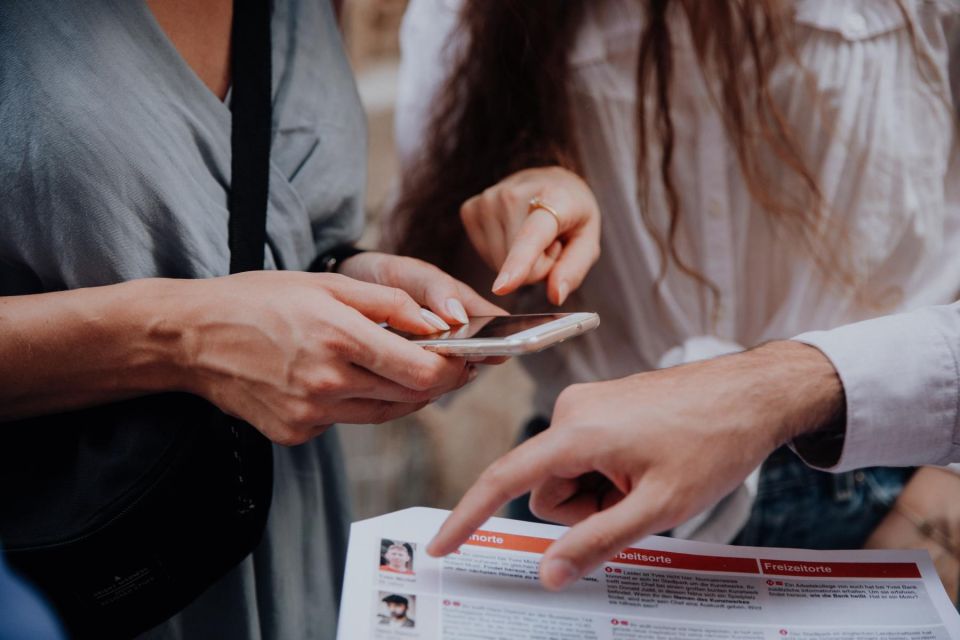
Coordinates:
[428,459]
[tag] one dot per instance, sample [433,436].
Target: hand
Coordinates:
[451,300]
[933,497]
[292,353]
[529,246]
[630,457]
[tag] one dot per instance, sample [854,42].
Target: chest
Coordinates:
[200,31]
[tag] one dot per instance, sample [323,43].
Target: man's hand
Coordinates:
[631,457]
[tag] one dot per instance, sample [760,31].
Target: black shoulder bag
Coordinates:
[123,514]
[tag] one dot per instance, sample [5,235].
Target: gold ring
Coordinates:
[537,203]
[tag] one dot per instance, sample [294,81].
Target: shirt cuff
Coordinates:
[902,387]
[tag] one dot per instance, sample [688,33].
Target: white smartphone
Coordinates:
[508,335]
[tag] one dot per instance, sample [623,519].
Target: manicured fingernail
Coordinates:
[558,573]
[456,309]
[434,320]
[501,281]
[563,290]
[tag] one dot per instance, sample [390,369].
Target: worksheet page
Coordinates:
[660,588]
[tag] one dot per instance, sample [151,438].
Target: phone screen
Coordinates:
[490,327]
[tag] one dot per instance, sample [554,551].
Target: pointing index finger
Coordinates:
[535,237]
[509,477]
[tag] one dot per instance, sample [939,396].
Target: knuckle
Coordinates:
[539,505]
[569,397]
[333,281]
[390,269]
[468,209]
[556,171]
[427,376]
[382,412]
[340,343]
[289,436]
[400,299]
[323,385]
[300,415]
[509,196]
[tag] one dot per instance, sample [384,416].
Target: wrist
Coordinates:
[333,260]
[802,387]
[155,317]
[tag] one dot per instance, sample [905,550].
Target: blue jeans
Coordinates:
[798,506]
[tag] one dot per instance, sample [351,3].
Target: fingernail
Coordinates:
[501,281]
[456,309]
[434,320]
[558,573]
[474,372]
[563,290]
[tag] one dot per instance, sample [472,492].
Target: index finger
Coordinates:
[511,476]
[535,236]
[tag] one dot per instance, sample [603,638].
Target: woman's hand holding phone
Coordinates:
[526,244]
[292,353]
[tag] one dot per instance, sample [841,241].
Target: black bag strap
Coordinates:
[251,107]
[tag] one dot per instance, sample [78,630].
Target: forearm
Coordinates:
[72,349]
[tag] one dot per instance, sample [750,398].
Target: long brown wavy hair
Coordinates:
[506,107]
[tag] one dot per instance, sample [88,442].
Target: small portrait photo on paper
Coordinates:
[397,556]
[397,610]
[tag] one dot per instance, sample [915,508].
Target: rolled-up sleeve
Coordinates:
[901,378]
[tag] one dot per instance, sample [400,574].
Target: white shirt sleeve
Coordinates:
[901,377]
[428,48]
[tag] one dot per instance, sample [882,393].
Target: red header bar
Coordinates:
[688,561]
[508,541]
[639,557]
[840,569]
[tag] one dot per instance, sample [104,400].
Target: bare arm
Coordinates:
[288,352]
[74,349]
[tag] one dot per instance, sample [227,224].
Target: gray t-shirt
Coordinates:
[116,166]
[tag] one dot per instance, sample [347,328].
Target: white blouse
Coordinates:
[878,134]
